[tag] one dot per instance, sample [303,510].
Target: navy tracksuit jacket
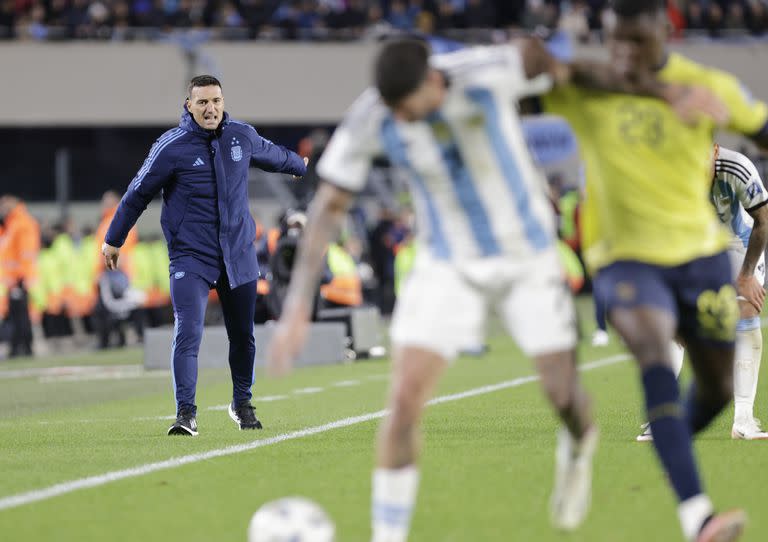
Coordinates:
[207,224]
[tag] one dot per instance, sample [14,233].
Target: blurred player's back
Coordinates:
[648,172]
[476,189]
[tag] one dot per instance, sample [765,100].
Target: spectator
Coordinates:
[676,18]
[33,26]
[344,19]
[377,25]
[7,19]
[57,13]
[425,22]
[229,17]
[255,12]
[448,17]
[694,16]
[540,13]
[757,17]
[734,18]
[400,17]
[479,14]
[575,21]
[355,16]
[19,250]
[714,19]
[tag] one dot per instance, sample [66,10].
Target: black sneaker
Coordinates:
[244,416]
[185,424]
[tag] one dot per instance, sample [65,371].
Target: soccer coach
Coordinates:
[202,168]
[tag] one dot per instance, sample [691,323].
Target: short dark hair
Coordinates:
[635,8]
[202,81]
[401,66]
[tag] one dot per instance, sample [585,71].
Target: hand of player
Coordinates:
[306,161]
[111,255]
[748,287]
[691,103]
[287,341]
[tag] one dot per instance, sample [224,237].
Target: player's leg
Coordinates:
[749,351]
[539,314]
[676,356]
[643,310]
[708,316]
[435,316]
[415,374]
[189,297]
[238,306]
[600,337]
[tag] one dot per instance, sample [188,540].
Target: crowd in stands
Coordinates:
[345,19]
[55,290]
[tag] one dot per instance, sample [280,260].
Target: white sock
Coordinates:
[677,355]
[749,349]
[394,495]
[692,513]
[757,349]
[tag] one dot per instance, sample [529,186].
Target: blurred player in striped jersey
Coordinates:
[487,238]
[740,199]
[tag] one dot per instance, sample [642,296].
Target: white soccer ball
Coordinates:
[291,519]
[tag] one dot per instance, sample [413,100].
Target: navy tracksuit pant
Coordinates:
[189,295]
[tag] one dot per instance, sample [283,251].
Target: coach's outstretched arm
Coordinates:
[151,178]
[689,102]
[276,158]
[325,218]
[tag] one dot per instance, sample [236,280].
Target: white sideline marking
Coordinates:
[66,370]
[346,383]
[21,499]
[304,391]
[263,399]
[111,375]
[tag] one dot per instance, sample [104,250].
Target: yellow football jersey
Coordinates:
[648,174]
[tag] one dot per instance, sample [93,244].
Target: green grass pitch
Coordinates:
[487,462]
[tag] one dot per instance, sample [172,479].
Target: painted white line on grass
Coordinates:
[305,391]
[68,370]
[346,383]
[21,499]
[263,399]
[94,377]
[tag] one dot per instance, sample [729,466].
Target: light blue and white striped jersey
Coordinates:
[736,190]
[476,190]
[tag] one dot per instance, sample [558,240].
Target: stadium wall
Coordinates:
[143,84]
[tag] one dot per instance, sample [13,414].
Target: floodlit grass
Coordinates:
[487,464]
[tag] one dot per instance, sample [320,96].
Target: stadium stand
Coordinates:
[345,19]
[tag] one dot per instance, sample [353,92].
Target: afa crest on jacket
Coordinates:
[204,182]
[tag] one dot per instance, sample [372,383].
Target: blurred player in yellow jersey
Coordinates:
[656,245]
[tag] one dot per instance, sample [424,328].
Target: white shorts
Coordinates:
[737,253]
[444,306]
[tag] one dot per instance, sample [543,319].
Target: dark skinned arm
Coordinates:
[747,285]
[689,102]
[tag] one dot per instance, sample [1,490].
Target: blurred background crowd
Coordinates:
[347,19]
[57,295]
